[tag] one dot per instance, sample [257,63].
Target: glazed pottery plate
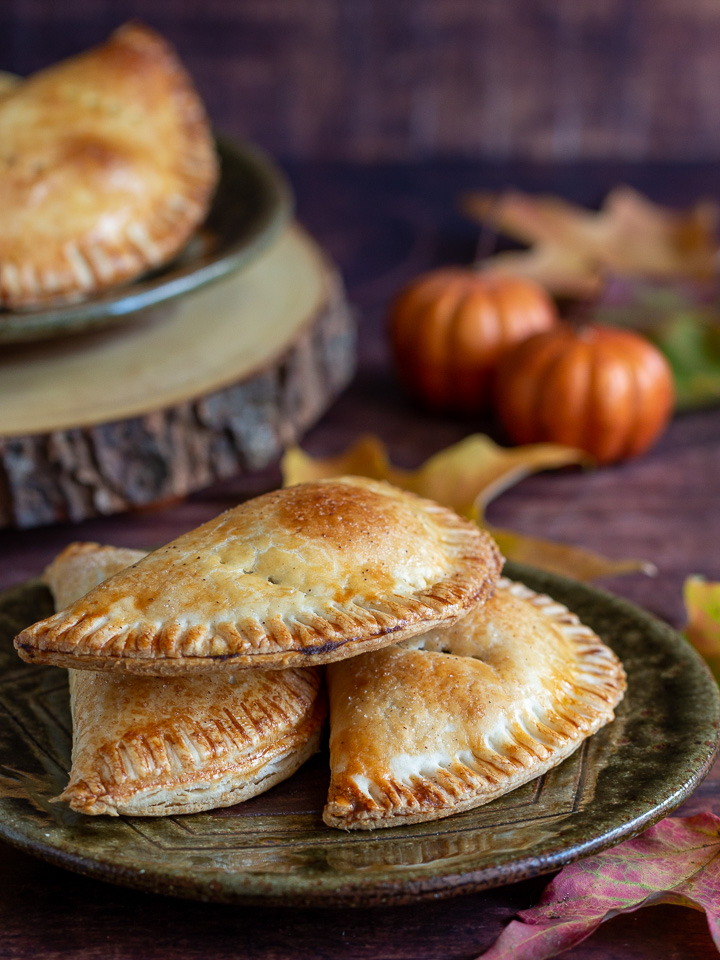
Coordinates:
[276,849]
[253,202]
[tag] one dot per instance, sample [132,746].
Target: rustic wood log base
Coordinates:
[217,384]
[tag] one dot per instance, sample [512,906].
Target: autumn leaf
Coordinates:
[471,473]
[8,82]
[702,602]
[562,558]
[573,249]
[691,343]
[466,477]
[367,458]
[677,861]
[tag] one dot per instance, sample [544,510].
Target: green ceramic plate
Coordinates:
[252,203]
[275,848]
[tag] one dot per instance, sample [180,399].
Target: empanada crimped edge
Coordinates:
[305,575]
[387,787]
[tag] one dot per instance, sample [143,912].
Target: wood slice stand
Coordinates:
[216,383]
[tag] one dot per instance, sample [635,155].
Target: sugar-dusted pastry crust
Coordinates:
[107,165]
[304,575]
[153,747]
[458,716]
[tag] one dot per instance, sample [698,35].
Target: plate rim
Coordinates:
[415,885]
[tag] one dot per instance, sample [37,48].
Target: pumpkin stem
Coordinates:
[580,313]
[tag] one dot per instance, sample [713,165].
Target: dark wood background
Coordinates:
[625,82]
[404,79]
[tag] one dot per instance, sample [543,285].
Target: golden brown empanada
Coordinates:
[460,715]
[150,746]
[107,165]
[304,575]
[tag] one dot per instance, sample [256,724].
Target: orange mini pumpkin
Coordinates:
[601,389]
[449,327]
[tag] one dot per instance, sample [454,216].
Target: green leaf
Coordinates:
[681,322]
[702,602]
[691,344]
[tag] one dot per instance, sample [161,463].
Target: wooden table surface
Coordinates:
[384,225]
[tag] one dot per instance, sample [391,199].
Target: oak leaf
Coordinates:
[368,457]
[572,249]
[471,473]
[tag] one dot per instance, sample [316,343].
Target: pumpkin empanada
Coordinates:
[107,165]
[304,575]
[458,716]
[151,746]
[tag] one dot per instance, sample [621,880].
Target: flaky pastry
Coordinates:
[458,716]
[107,165]
[303,575]
[152,747]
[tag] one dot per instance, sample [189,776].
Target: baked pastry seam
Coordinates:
[149,747]
[304,575]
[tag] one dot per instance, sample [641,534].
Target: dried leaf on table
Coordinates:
[471,473]
[368,457]
[702,602]
[573,249]
[464,476]
[8,82]
[563,558]
[467,476]
[677,861]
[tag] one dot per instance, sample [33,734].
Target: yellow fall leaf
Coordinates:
[564,558]
[471,473]
[467,476]
[368,457]
[702,602]
[8,82]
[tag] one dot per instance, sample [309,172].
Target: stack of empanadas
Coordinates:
[196,675]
